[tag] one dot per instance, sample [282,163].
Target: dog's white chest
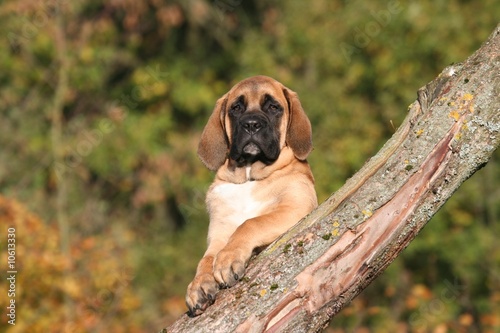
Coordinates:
[235,203]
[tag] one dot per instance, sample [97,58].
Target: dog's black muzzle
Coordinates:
[254,138]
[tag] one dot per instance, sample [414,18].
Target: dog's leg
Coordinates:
[230,262]
[201,291]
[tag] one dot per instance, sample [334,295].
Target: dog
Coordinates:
[257,140]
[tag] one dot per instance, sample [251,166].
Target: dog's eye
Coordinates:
[273,108]
[236,108]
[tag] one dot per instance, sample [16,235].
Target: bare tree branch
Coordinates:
[57,143]
[308,275]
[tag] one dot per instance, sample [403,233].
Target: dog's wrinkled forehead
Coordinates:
[255,89]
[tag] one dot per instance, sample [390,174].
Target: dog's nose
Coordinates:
[251,125]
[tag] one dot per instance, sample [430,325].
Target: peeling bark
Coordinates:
[309,274]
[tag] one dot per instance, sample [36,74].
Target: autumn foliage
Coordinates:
[90,290]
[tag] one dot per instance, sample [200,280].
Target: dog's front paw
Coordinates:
[229,267]
[201,294]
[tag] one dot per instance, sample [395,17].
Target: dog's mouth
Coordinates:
[251,149]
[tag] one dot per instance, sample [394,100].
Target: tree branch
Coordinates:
[57,144]
[309,274]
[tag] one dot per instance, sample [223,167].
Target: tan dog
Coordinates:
[257,139]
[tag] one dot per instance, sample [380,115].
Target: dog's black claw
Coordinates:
[191,312]
[236,277]
[210,297]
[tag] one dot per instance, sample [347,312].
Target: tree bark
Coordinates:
[310,273]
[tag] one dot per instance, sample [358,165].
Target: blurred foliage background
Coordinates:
[102,105]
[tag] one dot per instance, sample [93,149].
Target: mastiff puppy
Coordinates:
[257,139]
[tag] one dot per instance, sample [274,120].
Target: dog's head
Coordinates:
[253,122]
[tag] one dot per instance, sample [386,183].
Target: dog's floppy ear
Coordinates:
[214,143]
[299,133]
